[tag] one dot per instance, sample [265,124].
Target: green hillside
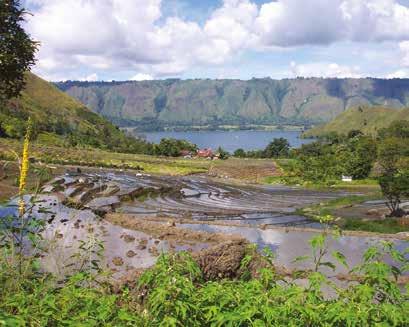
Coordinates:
[205,102]
[366,119]
[60,120]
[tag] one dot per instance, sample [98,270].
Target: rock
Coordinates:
[59,235]
[142,244]
[128,238]
[373,212]
[404,235]
[154,251]
[105,202]
[118,261]
[171,223]
[110,190]
[130,254]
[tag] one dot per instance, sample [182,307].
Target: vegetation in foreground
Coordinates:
[176,292]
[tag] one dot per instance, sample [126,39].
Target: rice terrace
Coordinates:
[222,163]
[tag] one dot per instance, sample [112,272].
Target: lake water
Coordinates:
[230,140]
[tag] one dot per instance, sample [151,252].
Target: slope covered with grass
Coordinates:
[369,120]
[61,120]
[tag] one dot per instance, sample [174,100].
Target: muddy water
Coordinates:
[197,198]
[289,245]
[201,199]
[68,229]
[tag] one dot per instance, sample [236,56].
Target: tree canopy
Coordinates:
[17,49]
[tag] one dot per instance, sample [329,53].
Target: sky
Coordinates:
[108,40]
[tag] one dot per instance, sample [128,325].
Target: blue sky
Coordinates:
[156,39]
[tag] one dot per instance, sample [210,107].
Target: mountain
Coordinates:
[60,119]
[369,120]
[174,102]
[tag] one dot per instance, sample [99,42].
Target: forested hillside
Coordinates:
[59,119]
[302,101]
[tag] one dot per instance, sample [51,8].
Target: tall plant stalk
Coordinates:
[24,168]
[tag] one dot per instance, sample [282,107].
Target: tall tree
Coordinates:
[17,49]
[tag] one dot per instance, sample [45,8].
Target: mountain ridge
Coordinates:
[172,102]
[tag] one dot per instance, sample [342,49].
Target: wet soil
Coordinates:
[137,216]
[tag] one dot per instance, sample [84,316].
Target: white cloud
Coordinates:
[133,35]
[404,48]
[141,77]
[322,69]
[401,73]
[90,78]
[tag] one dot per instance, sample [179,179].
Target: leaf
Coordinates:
[301,258]
[340,258]
[328,264]
[317,241]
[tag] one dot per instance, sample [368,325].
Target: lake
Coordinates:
[230,140]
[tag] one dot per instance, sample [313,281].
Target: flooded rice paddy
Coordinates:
[76,204]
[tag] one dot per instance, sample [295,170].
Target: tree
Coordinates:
[394,188]
[393,158]
[357,156]
[223,154]
[17,49]
[279,147]
[240,153]
[391,153]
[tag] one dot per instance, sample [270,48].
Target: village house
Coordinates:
[205,153]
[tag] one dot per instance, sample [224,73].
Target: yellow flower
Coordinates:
[24,167]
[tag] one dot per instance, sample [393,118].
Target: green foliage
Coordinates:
[17,50]
[41,302]
[279,147]
[393,157]
[173,147]
[239,153]
[223,154]
[174,293]
[395,188]
[369,120]
[177,295]
[60,120]
[389,226]
[324,162]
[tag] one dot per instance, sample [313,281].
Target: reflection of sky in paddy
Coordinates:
[289,245]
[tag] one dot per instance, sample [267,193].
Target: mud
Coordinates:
[147,215]
[168,231]
[221,261]
[195,197]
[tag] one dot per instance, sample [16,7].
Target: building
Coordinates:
[205,153]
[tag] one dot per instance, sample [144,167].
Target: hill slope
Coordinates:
[216,102]
[369,120]
[60,119]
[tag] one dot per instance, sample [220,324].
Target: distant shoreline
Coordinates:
[223,128]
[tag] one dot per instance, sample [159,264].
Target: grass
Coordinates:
[246,169]
[389,225]
[367,119]
[106,159]
[385,226]
[328,207]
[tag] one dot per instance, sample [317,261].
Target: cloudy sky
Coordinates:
[155,39]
